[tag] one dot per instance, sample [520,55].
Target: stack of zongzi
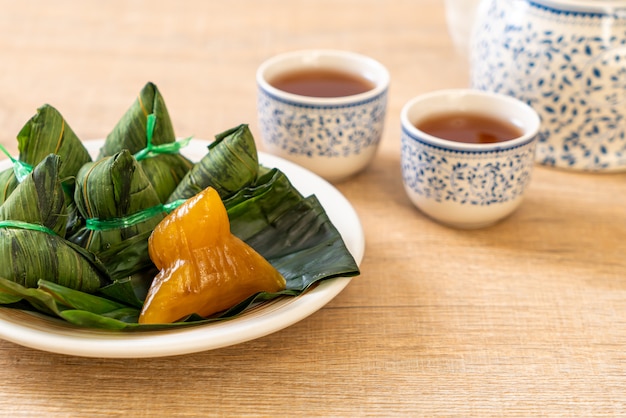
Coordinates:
[84,225]
[109,206]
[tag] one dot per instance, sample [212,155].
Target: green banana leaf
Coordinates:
[292,232]
[37,299]
[69,304]
[232,162]
[112,189]
[300,241]
[316,250]
[130,133]
[131,290]
[258,206]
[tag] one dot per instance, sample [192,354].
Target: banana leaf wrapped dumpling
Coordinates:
[39,198]
[135,133]
[232,162]
[117,200]
[33,223]
[130,131]
[46,133]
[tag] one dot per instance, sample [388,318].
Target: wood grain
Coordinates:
[525,318]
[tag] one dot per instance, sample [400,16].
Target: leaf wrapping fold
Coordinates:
[8,183]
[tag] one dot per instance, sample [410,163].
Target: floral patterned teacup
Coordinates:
[335,137]
[467,185]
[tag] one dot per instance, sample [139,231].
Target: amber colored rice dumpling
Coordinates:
[204,268]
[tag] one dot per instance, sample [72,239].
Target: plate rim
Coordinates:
[73,340]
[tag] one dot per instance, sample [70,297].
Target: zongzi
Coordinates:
[39,198]
[46,133]
[32,225]
[112,195]
[204,268]
[135,133]
[231,163]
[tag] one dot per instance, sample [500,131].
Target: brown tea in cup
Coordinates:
[469,127]
[321,82]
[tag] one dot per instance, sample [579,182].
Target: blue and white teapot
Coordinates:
[567,59]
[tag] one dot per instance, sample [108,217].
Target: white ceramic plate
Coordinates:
[50,334]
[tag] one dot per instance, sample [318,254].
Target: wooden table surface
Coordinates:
[524,318]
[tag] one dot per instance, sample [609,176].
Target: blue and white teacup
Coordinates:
[334,137]
[467,185]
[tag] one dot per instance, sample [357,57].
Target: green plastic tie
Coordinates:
[20,168]
[26,225]
[154,150]
[95,224]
